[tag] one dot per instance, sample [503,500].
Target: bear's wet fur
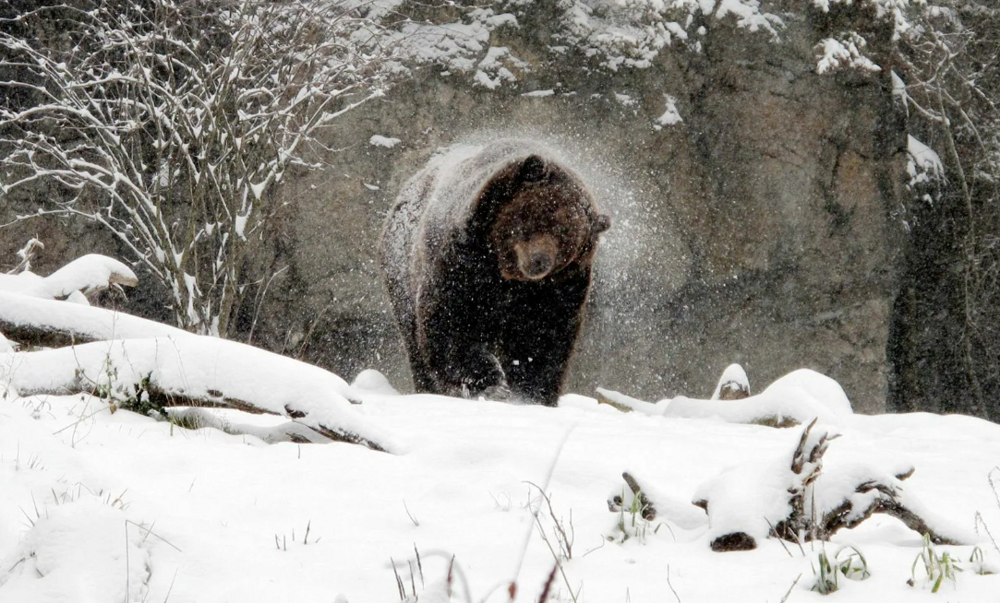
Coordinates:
[488,263]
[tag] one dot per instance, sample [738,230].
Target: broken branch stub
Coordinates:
[647,510]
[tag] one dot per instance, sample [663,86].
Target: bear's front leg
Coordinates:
[467,371]
[457,337]
[539,336]
[484,376]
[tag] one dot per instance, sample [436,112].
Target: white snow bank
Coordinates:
[223,499]
[202,367]
[79,551]
[87,273]
[85,322]
[801,396]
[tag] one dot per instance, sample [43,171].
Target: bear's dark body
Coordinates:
[488,264]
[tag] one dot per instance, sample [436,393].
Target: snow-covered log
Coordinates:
[198,371]
[625,403]
[31,321]
[799,500]
[794,399]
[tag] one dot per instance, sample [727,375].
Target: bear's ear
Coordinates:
[601,223]
[532,169]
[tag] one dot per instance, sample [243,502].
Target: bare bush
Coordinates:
[172,123]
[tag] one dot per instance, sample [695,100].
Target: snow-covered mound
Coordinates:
[229,518]
[6,345]
[104,505]
[82,548]
[373,381]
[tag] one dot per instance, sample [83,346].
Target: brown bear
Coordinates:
[487,255]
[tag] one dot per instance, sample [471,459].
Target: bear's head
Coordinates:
[547,223]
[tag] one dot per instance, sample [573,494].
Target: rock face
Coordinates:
[753,200]
[753,203]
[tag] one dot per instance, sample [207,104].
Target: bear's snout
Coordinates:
[536,258]
[539,265]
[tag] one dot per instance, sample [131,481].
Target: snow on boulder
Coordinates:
[85,274]
[670,115]
[744,501]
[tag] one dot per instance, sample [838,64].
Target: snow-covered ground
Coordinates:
[104,505]
[93,503]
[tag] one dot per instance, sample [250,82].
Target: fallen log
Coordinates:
[33,322]
[197,371]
